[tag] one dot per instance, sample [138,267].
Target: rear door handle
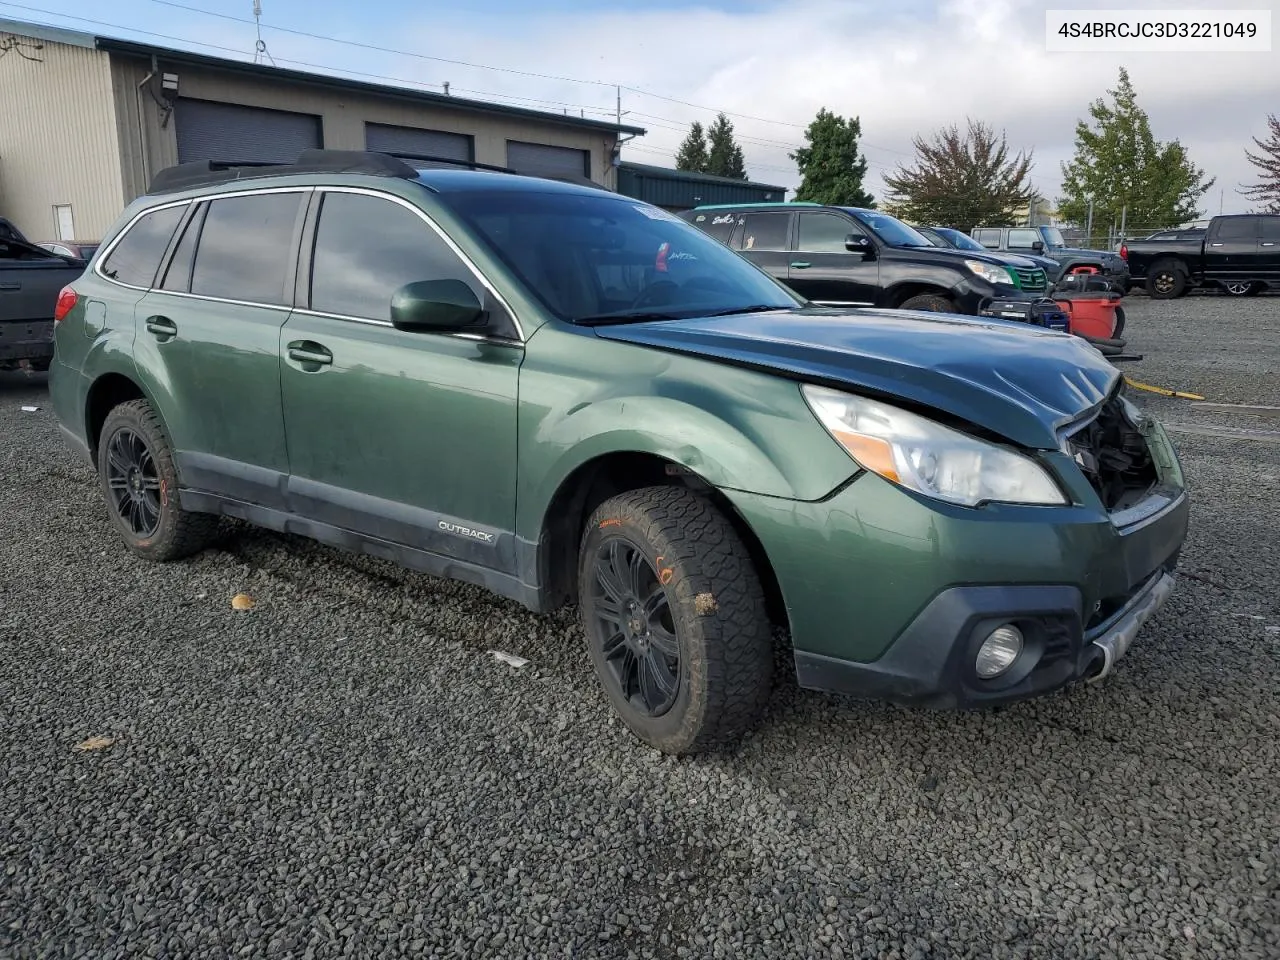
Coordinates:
[162,327]
[1269,243]
[1215,244]
[304,351]
[801,265]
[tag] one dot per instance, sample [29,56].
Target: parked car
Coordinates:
[1239,253]
[566,395]
[30,279]
[848,256]
[67,248]
[1049,242]
[954,239]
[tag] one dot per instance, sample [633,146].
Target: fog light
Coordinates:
[998,651]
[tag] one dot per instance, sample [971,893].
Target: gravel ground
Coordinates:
[345,769]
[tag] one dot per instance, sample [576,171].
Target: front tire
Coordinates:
[931,302]
[675,619]
[140,484]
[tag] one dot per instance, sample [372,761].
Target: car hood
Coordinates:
[1021,382]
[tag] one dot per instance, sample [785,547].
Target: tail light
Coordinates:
[1124,251]
[66,300]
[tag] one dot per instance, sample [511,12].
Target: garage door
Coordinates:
[543,160]
[229,132]
[384,138]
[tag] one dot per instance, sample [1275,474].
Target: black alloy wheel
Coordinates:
[631,614]
[133,480]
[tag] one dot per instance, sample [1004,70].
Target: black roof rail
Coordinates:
[431,158]
[207,172]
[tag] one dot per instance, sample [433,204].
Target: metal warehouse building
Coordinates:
[86,121]
[683,190]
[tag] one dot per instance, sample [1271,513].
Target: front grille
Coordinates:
[1031,279]
[1114,457]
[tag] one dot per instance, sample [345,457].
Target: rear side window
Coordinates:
[1238,228]
[366,248]
[717,225]
[988,238]
[245,248]
[135,259]
[765,231]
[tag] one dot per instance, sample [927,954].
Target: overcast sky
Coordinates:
[904,66]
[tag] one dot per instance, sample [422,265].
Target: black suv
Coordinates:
[853,257]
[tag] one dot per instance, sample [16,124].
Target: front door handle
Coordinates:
[801,265]
[309,353]
[1215,244]
[11,285]
[162,328]
[1268,243]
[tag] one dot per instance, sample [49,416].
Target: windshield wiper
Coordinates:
[640,317]
[753,308]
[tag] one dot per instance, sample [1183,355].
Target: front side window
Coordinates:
[892,230]
[245,248]
[1270,229]
[135,259]
[602,258]
[825,233]
[367,248]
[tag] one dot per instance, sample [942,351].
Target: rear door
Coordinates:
[824,270]
[208,338]
[764,239]
[1231,249]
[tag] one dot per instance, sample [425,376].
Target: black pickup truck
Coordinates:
[853,257]
[30,280]
[1240,253]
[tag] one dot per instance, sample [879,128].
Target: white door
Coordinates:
[66,225]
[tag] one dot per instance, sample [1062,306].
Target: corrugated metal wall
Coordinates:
[679,192]
[58,138]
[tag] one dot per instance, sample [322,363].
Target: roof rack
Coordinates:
[207,172]
[431,158]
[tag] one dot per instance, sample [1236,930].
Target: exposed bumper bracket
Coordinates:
[1118,635]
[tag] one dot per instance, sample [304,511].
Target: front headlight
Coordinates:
[927,457]
[990,272]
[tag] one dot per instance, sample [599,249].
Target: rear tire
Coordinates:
[675,619]
[931,302]
[140,485]
[1242,288]
[1166,280]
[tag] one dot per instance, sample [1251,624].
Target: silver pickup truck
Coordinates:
[30,280]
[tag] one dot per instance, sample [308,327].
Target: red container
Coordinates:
[1091,315]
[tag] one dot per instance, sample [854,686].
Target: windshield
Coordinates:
[1052,237]
[599,258]
[891,230]
[961,241]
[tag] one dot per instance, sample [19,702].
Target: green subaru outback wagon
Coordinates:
[567,396]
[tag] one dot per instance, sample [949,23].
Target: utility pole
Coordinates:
[1088,224]
[618,90]
[1124,215]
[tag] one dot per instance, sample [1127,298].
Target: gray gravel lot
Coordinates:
[345,770]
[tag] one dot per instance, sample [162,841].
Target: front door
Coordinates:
[209,333]
[408,437]
[824,270]
[1269,249]
[1231,249]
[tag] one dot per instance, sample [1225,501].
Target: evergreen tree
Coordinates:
[831,169]
[962,180]
[692,154]
[724,157]
[1126,172]
[1267,190]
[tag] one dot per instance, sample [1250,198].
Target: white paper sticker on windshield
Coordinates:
[656,213]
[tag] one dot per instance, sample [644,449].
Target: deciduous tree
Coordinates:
[1126,172]
[1267,190]
[962,180]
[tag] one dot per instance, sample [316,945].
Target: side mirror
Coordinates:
[439,305]
[1037,246]
[855,243]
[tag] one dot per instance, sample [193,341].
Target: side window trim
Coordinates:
[193,220]
[308,238]
[115,242]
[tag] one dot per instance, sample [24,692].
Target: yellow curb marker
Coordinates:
[1162,391]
